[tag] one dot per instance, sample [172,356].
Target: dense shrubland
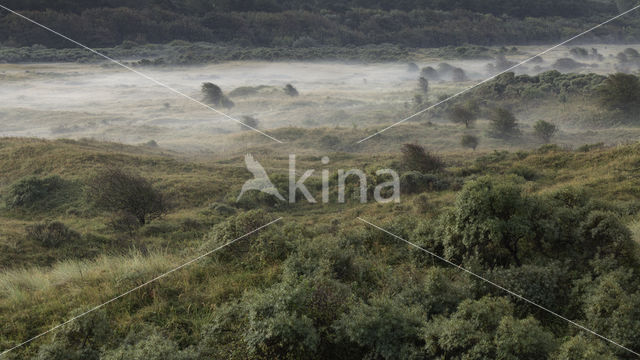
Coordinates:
[338,289]
[272,23]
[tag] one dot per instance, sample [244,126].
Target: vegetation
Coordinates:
[416,158]
[621,92]
[127,194]
[214,96]
[544,130]
[470,141]
[503,124]
[557,235]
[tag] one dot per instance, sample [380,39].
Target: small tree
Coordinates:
[119,191]
[214,96]
[423,85]
[470,141]
[250,121]
[503,124]
[458,75]
[621,92]
[464,114]
[416,158]
[545,130]
[291,91]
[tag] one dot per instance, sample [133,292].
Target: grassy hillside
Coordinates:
[311,279]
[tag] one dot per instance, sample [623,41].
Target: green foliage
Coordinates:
[383,329]
[523,339]
[544,130]
[148,344]
[414,182]
[79,340]
[35,192]
[416,158]
[465,114]
[503,124]
[580,348]
[126,193]
[621,92]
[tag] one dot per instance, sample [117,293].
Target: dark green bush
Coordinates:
[33,191]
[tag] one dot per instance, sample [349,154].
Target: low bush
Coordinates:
[52,234]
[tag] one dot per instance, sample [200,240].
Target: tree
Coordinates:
[523,339]
[464,114]
[423,84]
[119,191]
[621,92]
[470,141]
[214,96]
[545,130]
[291,91]
[416,158]
[503,124]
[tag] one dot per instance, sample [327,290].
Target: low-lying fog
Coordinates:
[111,103]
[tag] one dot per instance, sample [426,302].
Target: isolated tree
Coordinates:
[125,193]
[621,92]
[423,85]
[545,130]
[430,73]
[503,124]
[250,121]
[214,96]
[470,141]
[416,158]
[291,91]
[464,114]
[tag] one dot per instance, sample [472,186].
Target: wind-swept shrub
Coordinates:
[416,158]
[214,96]
[291,91]
[250,121]
[123,192]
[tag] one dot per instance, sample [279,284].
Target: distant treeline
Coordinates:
[270,23]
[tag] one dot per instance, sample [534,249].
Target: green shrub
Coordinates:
[32,191]
[621,92]
[416,158]
[470,141]
[503,124]
[545,130]
[414,182]
[148,344]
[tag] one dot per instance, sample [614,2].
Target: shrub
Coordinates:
[385,329]
[214,96]
[458,75]
[545,130]
[52,234]
[290,90]
[470,141]
[119,191]
[503,124]
[430,73]
[621,92]
[148,344]
[464,114]
[29,191]
[416,158]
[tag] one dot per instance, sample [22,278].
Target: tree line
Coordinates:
[295,24]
